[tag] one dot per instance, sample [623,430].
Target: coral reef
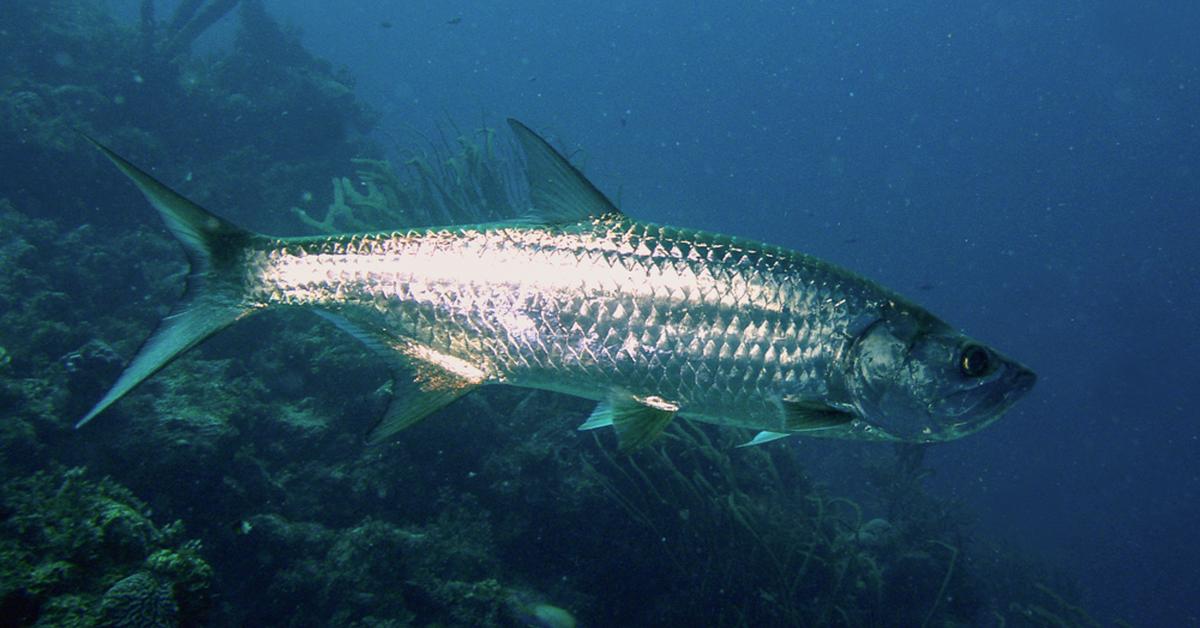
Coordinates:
[146,74]
[78,551]
[468,512]
[375,571]
[495,512]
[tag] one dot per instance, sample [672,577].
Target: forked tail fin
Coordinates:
[214,296]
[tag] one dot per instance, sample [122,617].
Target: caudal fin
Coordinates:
[213,299]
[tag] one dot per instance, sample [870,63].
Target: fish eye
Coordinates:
[974,361]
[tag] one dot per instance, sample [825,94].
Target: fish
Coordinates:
[650,321]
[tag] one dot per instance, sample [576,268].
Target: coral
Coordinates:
[125,532]
[53,578]
[363,212]
[90,370]
[70,518]
[139,601]
[69,611]
[75,549]
[376,571]
[190,575]
[480,603]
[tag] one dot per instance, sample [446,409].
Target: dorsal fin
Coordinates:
[558,191]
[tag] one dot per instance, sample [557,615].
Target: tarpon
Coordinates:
[651,321]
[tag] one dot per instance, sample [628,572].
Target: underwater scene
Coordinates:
[599,314]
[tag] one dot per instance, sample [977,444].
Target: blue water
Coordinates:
[1027,170]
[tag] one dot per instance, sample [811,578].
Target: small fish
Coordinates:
[651,321]
[454,20]
[385,24]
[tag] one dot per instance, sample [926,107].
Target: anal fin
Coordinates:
[424,380]
[412,400]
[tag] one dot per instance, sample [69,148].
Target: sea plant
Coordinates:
[470,180]
[745,524]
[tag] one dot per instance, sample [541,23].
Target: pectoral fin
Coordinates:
[423,379]
[764,437]
[637,420]
[600,417]
[801,415]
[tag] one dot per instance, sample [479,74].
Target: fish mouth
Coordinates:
[970,410]
[1019,382]
[1022,382]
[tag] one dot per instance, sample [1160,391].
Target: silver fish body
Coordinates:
[717,326]
[651,320]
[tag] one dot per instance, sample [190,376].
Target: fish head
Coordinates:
[916,379]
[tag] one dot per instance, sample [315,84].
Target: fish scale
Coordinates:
[632,306]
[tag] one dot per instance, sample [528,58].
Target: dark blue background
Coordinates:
[1026,169]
